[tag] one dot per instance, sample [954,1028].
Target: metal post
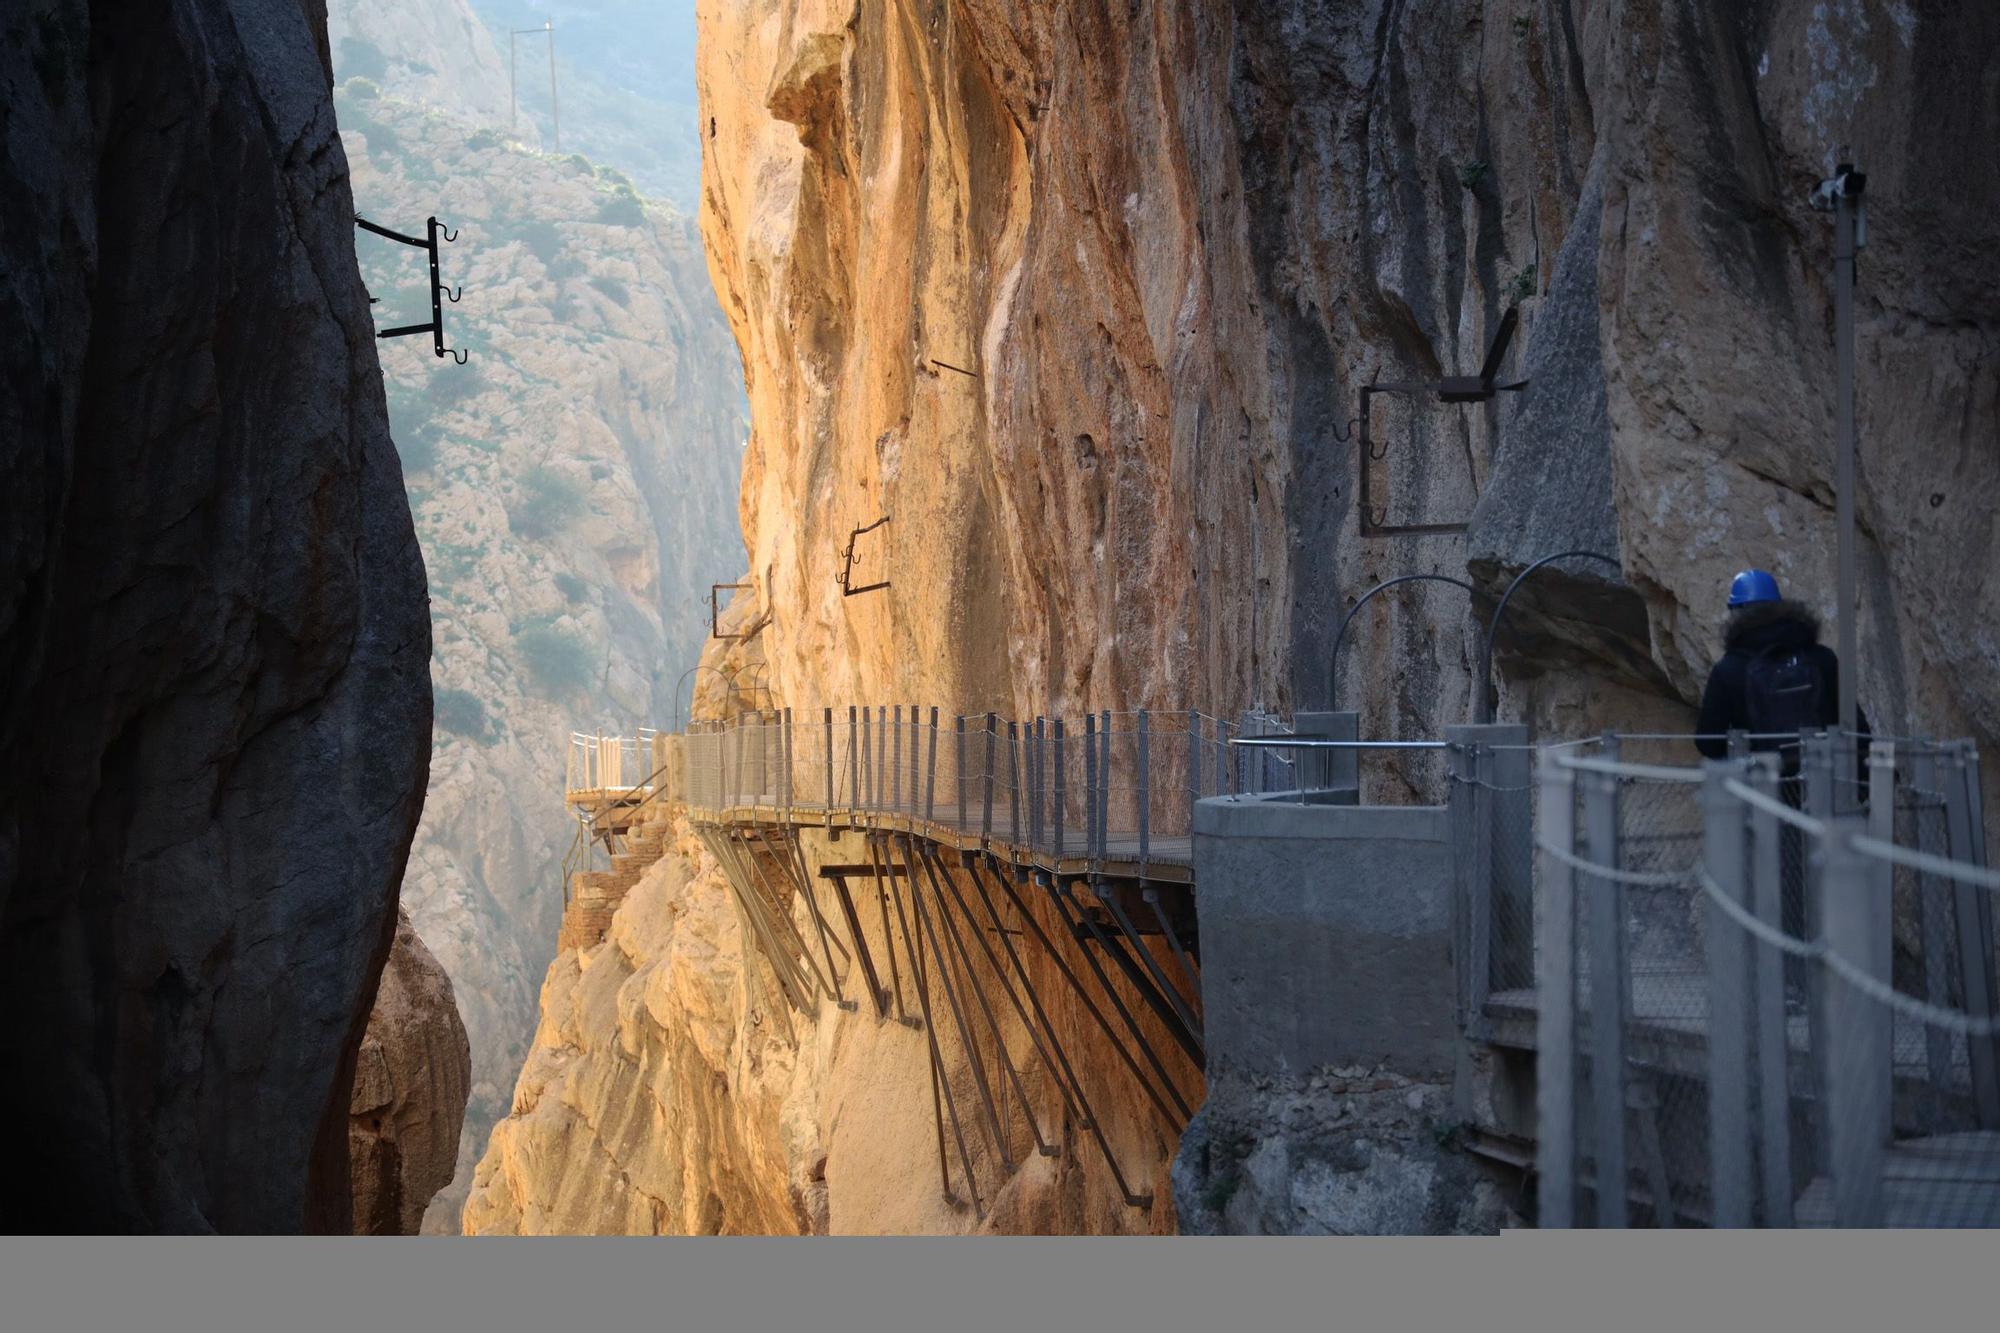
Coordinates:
[1479,896]
[1145,795]
[986,801]
[1104,783]
[1774,1100]
[1882,895]
[1061,794]
[896,766]
[1728,1001]
[785,772]
[555,112]
[1975,951]
[1555,1010]
[1816,762]
[1465,882]
[1093,849]
[1013,782]
[958,766]
[930,773]
[1036,781]
[1845,244]
[853,765]
[829,761]
[1194,765]
[1604,899]
[736,738]
[1932,912]
[1860,1046]
[1508,769]
[881,769]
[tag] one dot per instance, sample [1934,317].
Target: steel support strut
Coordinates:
[1134,1199]
[964,957]
[1175,1123]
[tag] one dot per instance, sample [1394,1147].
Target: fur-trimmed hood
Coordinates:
[1765,625]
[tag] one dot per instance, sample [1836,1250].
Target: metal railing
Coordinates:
[1753,1010]
[1106,787]
[600,763]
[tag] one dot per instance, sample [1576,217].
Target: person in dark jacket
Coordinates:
[1775,676]
[1771,654]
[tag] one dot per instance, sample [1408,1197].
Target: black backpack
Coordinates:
[1783,692]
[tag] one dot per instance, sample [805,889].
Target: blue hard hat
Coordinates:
[1752,585]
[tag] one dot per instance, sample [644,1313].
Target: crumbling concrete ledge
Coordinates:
[1327,993]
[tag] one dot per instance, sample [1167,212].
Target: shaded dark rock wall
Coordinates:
[214,694]
[411,1081]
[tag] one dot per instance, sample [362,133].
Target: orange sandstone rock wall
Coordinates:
[1169,243]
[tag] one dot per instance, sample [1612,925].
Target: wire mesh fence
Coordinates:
[1752,1014]
[1762,990]
[1111,786]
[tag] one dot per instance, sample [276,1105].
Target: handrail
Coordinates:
[1296,742]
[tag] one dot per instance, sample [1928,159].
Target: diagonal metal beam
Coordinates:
[1060,894]
[957,941]
[968,1040]
[1174,1123]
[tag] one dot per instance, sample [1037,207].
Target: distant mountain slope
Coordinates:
[574,486]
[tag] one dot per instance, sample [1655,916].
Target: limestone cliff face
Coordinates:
[411,1080]
[214,689]
[572,486]
[1082,296]
[1171,241]
[670,1092]
[650,1103]
[436,52]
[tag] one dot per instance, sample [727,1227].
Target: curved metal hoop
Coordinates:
[1333,663]
[698,666]
[1483,705]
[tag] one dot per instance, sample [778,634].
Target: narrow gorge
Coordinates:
[943,642]
[1080,300]
[571,484]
